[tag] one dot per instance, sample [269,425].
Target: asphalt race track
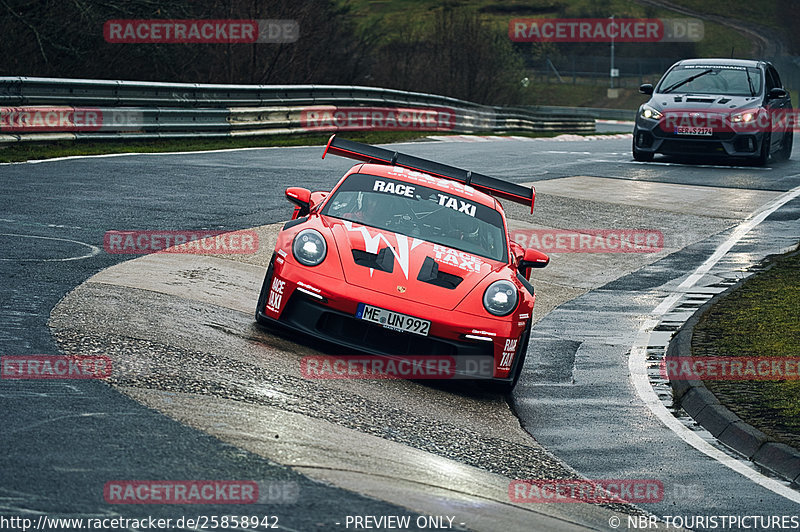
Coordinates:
[199,392]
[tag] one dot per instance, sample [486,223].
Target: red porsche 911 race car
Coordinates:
[407,257]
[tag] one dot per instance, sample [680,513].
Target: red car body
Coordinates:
[419,285]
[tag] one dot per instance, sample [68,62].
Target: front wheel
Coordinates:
[506,387]
[786,146]
[763,155]
[265,287]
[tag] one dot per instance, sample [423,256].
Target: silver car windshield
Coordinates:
[420,212]
[712,79]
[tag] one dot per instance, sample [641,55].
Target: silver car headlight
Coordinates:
[745,117]
[309,247]
[651,113]
[500,298]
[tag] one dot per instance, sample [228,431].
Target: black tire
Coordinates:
[785,152]
[506,387]
[763,155]
[262,297]
[641,156]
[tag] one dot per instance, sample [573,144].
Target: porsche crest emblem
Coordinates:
[401,289]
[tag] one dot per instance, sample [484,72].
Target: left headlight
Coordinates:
[309,247]
[747,116]
[650,113]
[500,298]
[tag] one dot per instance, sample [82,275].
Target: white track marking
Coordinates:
[559,138]
[637,362]
[93,250]
[37,224]
[622,122]
[157,153]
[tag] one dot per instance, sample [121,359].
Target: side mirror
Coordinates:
[517,251]
[646,88]
[317,198]
[776,93]
[301,197]
[533,258]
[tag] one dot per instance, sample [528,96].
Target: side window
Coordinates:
[770,80]
[775,77]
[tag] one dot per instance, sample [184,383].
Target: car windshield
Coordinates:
[420,212]
[730,80]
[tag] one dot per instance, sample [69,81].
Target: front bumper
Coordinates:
[649,137]
[305,315]
[323,315]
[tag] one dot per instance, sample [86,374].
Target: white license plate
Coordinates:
[705,131]
[393,320]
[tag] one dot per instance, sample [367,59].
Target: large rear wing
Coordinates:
[484,183]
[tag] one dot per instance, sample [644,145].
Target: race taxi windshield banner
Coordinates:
[411,208]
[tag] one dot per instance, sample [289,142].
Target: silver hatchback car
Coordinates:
[726,107]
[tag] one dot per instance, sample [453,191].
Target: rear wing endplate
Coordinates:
[484,183]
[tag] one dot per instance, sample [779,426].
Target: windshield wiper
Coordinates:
[685,81]
[750,82]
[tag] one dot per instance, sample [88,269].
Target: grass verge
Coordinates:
[29,151]
[761,319]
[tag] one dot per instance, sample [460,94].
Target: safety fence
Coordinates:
[43,109]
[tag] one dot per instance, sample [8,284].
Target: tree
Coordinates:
[457,54]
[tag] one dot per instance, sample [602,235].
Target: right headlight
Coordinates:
[650,113]
[500,298]
[309,247]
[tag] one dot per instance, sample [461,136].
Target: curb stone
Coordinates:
[704,407]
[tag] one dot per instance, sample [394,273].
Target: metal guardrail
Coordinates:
[600,113]
[34,109]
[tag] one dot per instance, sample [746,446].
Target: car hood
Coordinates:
[716,103]
[407,267]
